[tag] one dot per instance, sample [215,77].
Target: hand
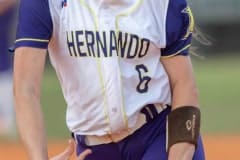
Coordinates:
[181,151]
[68,152]
[5,5]
[84,154]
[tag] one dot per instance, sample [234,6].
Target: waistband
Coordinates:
[148,113]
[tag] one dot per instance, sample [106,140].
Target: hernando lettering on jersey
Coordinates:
[106,44]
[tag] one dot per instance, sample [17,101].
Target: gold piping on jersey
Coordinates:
[132,9]
[190,29]
[99,66]
[172,55]
[32,39]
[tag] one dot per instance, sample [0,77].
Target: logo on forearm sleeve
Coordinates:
[190,125]
[190,17]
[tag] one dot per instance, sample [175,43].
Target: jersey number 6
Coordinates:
[142,86]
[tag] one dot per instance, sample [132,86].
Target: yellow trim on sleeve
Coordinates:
[32,39]
[191,24]
[172,55]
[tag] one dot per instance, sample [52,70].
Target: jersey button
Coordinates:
[107,22]
[105,7]
[114,109]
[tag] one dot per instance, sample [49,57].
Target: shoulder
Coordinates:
[173,5]
[179,28]
[41,4]
[33,3]
[33,6]
[34,23]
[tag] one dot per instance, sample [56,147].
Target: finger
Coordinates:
[70,149]
[67,153]
[84,154]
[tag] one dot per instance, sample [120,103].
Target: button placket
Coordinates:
[106,17]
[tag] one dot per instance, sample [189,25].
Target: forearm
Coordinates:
[5,5]
[185,93]
[31,128]
[181,151]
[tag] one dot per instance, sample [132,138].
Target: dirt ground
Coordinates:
[216,148]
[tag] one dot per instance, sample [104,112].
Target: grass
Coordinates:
[54,106]
[219,84]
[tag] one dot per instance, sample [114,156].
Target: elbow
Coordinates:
[194,92]
[185,94]
[25,98]
[24,92]
[193,89]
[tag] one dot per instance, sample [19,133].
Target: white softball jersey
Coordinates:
[106,54]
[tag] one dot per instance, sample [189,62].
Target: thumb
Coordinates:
[84,154]
[70,149]
[67,153]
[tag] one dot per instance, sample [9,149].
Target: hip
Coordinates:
[148,116]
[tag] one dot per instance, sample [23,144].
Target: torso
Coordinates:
[107,58]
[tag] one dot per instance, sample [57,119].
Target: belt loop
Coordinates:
[153,110]
[79,139]
[147,114]
[74,136]
[83,140]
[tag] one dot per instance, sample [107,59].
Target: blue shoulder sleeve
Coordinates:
[34,24]
[179,28]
